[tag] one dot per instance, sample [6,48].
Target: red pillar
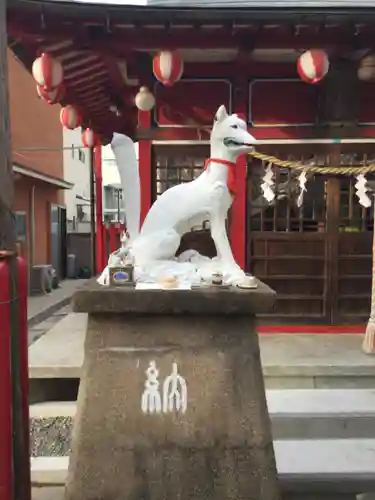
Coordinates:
[14,381]
[100,246]
[6,427]
[145,174]
[24,475]
[237,228]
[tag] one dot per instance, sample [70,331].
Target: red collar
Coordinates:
[232,170]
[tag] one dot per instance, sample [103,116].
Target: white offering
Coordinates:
[248,282]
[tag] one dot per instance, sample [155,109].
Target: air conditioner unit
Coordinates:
[41,278]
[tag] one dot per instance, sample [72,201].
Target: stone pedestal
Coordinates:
[199,428]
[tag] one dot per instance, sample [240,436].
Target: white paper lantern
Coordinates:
[70,117]
[144,100]
[47,72]
[89,138]
[168,67]
[366,70]
[51,96]
[366,73]
[313,65]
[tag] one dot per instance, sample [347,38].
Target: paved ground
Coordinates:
[39,329]
[40,307]
[59,353]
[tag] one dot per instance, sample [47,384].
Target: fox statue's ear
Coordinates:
[221,114]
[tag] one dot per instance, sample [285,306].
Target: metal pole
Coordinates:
[92,214]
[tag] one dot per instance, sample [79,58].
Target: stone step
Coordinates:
[342,466]
[322,413]
[295,414]
[289,361]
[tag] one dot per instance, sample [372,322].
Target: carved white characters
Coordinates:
[174,392]
[151,400]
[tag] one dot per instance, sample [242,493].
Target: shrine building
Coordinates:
[246,55]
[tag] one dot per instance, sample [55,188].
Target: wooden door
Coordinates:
[354,257]
[287,245]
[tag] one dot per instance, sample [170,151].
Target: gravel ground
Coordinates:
[50,436]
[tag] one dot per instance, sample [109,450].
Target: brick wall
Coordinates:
[34,123]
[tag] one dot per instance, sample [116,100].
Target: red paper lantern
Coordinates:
[168,67]
[313,65]
[144,100]
[51,96]
[70,117]
[47,72]
[90,139]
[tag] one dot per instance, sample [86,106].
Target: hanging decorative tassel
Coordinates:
[267,184]
[302,180]
[362,189]
[368,344]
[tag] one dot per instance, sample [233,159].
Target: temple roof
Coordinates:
[106,48]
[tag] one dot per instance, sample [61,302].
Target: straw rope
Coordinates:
[297,165]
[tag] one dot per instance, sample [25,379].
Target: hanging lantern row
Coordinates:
[312,66]
[49,75]
[167,68]
[47,72]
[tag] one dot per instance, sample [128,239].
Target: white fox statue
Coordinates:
[209,197]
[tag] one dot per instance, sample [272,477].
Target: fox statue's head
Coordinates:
[229,136]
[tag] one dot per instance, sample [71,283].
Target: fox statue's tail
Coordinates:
[127,164]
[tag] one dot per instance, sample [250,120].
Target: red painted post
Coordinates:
[6,427]
[100,245]
[24,375]
[145,174]
[112,238]
[14,380]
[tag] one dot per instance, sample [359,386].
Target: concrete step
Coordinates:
[322,413]
[295,414]
[289,361]
[344,466]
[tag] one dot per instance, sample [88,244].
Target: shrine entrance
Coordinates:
[317,257]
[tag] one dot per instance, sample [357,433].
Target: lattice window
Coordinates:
[283,214]
[178,164]
[174,170]
[353,217]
